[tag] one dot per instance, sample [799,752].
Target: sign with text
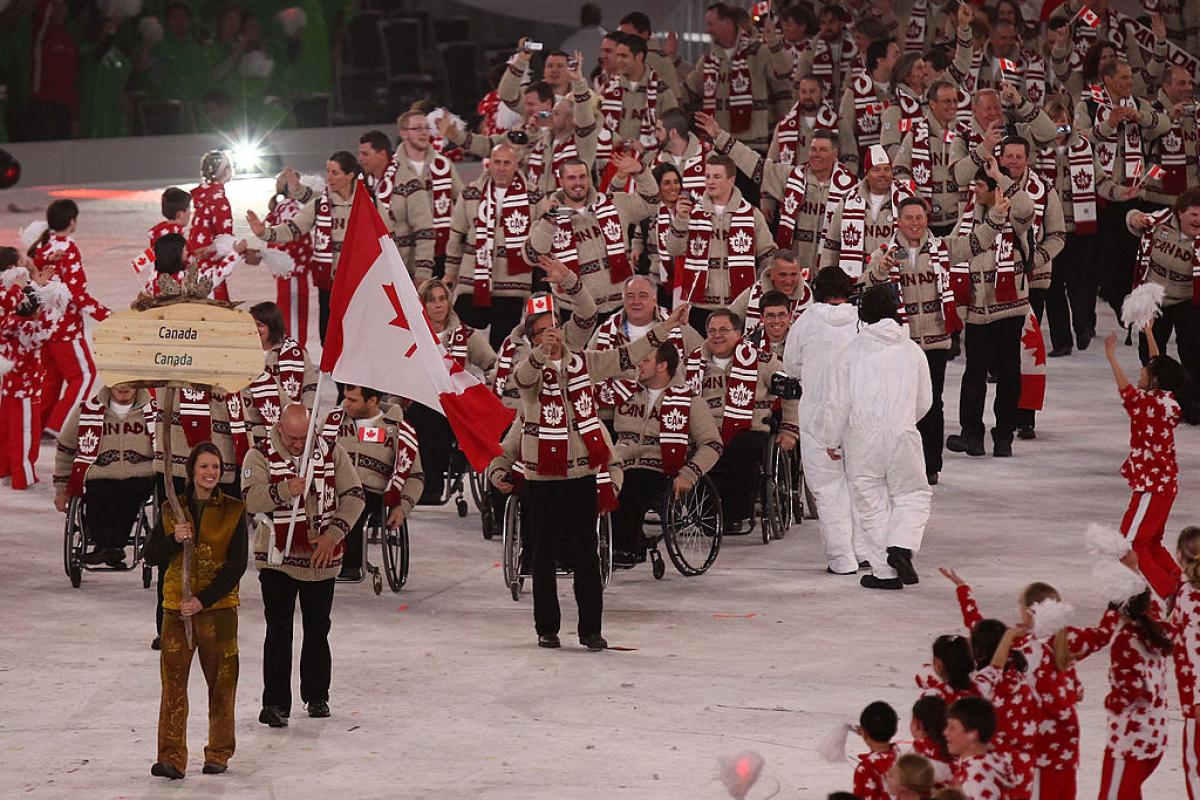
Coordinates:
[182,345]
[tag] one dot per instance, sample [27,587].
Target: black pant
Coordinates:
[352,557]
[111,508]
[1117,253]
[992,347]
[435,441]
[562,514]
[932,426]
[279,592]
[323,296]
[1184,319]
[1071,298]
[1037,302]
[736,474]
[503,315]
[641,489]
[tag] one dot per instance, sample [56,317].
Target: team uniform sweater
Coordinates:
[1181,142]
[1109,146]
[801,299]
[407,213]
[372,450]
[638,424]
[305,222]
[460,250]
[870,774]
[306,394]
[1171,255]
[943,189]
[969,153]
[770,87]
[983,306]
[712,391]
[126,449]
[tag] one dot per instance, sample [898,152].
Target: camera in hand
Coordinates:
[572,63]
[533,47]
[785,387]
[518,137]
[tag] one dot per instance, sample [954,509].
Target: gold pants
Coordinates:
[216,639]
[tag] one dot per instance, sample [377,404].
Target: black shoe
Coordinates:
[931,478]
[162,769]
[1026,432]
[871,582]
[549,640]
[213,769]
[625,559]
[1059,352]
[273,716]
[1002,448]
[156,643]
[352,575]
[961,444]
[593,642]
[430,497]
[1084,339]
[900,559]
[318,709]
[116,558]
[831,571]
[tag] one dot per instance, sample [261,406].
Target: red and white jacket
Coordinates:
[22,336]
[870,774]
[988,776]
[1137,693]
[1185,631]
[62,253]
[1153,415]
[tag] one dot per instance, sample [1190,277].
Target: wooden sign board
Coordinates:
[180,345]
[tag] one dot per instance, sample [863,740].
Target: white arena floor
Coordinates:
[440,691]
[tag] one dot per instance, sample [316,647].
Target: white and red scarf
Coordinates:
[1038,189]
[674,428]
[741,97]
[288,375]
[1081,173]
[868,111]
[1146,248]
[788,131]
[458,344]
[841,182]
[1173,153]
[322,241]
[440,185]
[852,257]
[195,418]
[553,427]
[385,187]
[739,247]
[670,268]
[1129,135]
[612,107]
[535,163]
[565,247]
[612,334]
[823,66]
[1004,248]
[514,215]
[741,387]
[90,434]
[404,444]
[797,306]
[505,361]
[691,172]
[922,155]
[918,22]
[939,262]
[322,488]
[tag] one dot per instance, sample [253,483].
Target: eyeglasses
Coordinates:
[776,317]
[414,130]
[721,331]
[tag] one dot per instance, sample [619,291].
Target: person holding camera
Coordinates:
[1178,150]
[996,115]
[770,336]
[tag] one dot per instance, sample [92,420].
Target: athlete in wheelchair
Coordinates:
[383,447]
[734,379]
[104,481]
[666,441]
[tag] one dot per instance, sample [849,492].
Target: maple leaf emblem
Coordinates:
[740,242]
[88,441]
[1106,156]
[193,395]
[786,154]
[292,387]
[612,230]
[674,420]
[404,461]
[1083,180]
[235,405]
[851,236]
[329,496]
[320,239]
[1171,142]
[1031,340]
[553,412]
[562,240]
[584,406]
[1034,90]
[710,85]
[270,411]
[516,222]
[608,396]
[869,123]
[740,84]
[696,246]
[441,205]
[920,174]
[790,204]
[741,395]
[914,28]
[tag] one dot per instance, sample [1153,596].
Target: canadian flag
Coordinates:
[1089,17]
[373,435]
[761,9]
[143,266]
[539,304]
[379,337]
[1033,365]
[1007,66]
[1153,173]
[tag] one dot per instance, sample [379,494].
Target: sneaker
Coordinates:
[162,769]
[1026,432]
[624,559]
[317,709]
[900,559]
[962,444]
[214,769]
[353,574]
[549,641]
[115,558]
[273,716]
[593,642]
[871,582]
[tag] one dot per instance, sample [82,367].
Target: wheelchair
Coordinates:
[690,528]
[516,566]
[76,542]
[458,474]
[481,495]
[774,502]
[394,544]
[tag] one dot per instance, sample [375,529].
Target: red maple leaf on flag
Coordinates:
[401,321]
[1031,340]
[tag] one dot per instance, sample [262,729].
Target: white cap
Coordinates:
[877,156]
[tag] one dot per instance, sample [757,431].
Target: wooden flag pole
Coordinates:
[169,408]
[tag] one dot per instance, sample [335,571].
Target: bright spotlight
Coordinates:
[248,157]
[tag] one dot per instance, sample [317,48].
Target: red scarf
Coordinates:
[440,185]
[504,365]
[1128,133]
[565,247]
[671,266]
[459,341]
[868,112]
[322,489]
[852,257]
[840,183]
[922,158]
[1146,248]
[1006,271]
[674,428]
[91,432]
[514,215]
[1173,154]
[287,374]
[611,334]
[612,107]
[385,187]
[914,34]
[741,97]
[739,259]
[553,429]
[322,241]
[195,418]
[939,262]
[754,304]
[741,387]
[535,163]
[1081,168]
[787,132]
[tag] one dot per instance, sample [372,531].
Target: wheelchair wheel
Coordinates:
[487,518]
[783,490]
[604,548]
[692,528]
[394,542]
[479,491]
[512,546]
[74,542]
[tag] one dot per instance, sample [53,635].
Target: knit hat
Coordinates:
[877,156]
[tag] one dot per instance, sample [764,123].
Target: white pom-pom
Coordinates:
[12,275]
[1050,616]
[33,231]
[1115,583]
[740,772]
[431,119]
[150,29]
[223,245]
[1105,541]
[124,9]
[832,746]
[54,297]
[314,182]
[293,21]
[1143,305]
[6,364]
[256,64]
[278,263]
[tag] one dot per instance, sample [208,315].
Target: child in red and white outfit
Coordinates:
[289,263]
[176,211]
[1154,409]
[210,240]
[950,674]
[928,729]
[1185,632]
[980,772]
[877,726]
[1003,679]
[66,356]
[1137,695]
[29,311]
[1050,652]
